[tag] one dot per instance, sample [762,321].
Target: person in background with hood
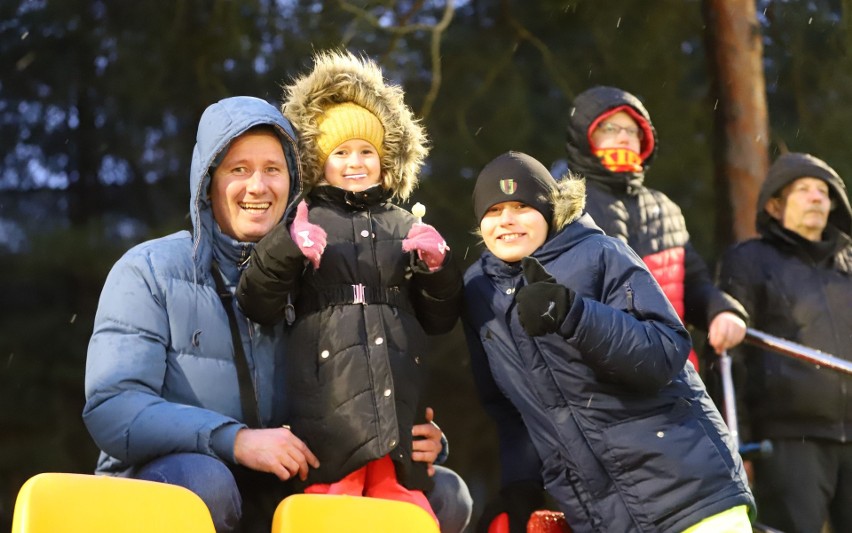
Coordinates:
[795,281]
[163,398]
[361,280]
[612,143]
[580,359]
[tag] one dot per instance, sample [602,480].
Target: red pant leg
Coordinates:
[353,485]
[381,483]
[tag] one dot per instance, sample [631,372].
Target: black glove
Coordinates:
[542,303]
[519,500]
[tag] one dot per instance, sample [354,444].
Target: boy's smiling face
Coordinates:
[513,230]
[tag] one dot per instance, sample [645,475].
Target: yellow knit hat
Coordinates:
[341,122]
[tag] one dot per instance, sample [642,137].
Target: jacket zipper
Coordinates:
[630,306]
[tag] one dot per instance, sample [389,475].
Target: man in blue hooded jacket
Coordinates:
[163,398]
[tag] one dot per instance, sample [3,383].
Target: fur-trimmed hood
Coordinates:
[569,201]
[340,76]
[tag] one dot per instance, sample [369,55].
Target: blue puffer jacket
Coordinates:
[160,374]
[627,437]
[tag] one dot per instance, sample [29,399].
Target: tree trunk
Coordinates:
[741,139]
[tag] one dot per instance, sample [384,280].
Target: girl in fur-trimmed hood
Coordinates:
[580,359]
[360,279]
[340,77]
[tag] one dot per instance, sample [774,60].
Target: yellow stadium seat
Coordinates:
[83,503]
[324,513]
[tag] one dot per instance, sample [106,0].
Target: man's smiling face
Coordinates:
[251,186]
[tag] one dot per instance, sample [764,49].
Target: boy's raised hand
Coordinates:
[430,246]
[310,238]
[542,303]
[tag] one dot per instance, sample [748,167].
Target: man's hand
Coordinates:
[310,238]
[726,331]
[274,450]
[427,448]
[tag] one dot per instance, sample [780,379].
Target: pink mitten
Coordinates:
[310,238]
[430,246]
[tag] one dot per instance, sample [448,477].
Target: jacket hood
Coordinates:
[792,166]
[569,201]
[338,77]
[586,111]
[567,237]
[220,124]
[570,224]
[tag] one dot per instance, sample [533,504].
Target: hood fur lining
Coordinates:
[569,200]
[340,76]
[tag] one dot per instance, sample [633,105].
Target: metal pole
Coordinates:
[798,351]
[729,398]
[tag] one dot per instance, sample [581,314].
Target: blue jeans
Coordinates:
[451,500]
[244,501]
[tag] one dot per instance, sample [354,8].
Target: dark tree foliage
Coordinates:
[99,102]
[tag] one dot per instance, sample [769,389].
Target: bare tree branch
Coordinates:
[373,21]
[403,21]
[547,57]
[436,30]
[461,114]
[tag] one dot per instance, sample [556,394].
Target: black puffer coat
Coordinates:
[801,291]
[646,219]
[354,369]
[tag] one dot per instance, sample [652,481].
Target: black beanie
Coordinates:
[514,177]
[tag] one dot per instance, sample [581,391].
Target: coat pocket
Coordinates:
[667,461]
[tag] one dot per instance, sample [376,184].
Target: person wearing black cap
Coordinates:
[795,280]
[579,358]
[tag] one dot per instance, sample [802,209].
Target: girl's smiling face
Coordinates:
[354,165]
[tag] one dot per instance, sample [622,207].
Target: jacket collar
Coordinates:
[497,268]
[355,201]
[820,252]
[571,235]
[230,254]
